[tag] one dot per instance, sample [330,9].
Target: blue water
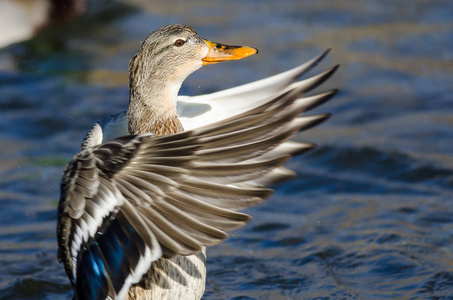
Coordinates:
[370,214]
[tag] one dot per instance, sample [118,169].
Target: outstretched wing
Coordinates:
[135,199]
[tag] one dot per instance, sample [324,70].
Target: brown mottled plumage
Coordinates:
[159,282]
[137,211]
[159,128]
[152,109]
[170,126]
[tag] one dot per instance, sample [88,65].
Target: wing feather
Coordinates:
[135,199]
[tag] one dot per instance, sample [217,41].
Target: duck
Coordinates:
[151,188]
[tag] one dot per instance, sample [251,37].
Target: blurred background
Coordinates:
[370,215]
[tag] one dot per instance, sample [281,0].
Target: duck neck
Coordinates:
[152,104]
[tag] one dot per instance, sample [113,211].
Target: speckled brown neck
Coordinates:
[170,126]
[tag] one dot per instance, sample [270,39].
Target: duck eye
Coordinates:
[179,43]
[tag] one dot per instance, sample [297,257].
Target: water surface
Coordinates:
[370,214]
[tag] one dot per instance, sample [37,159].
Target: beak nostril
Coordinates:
[218,46]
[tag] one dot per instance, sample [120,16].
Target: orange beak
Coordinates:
[218,52]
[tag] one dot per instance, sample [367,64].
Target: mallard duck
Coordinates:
[149,191]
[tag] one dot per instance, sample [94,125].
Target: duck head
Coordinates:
[166,58]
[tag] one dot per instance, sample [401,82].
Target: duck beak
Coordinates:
[218,52]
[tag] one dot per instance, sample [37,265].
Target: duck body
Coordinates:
[151,189]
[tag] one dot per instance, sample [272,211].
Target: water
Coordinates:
[368,217]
